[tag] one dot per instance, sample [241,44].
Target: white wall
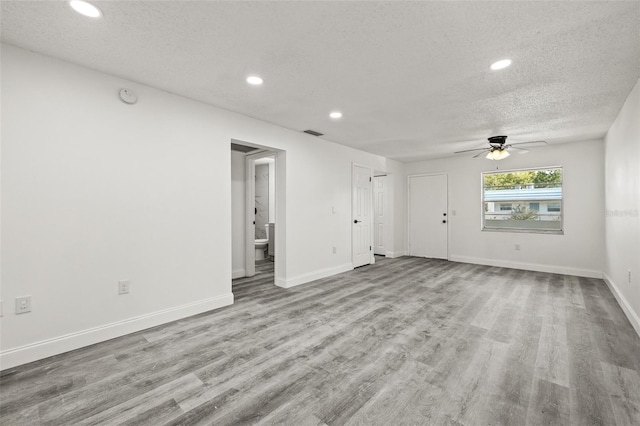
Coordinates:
[95,191]
[324,176]
[237,214]
[622,207]
[578,252]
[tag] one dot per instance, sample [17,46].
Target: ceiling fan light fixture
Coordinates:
[85,8]
[504,63]
[498,154]
[335,114]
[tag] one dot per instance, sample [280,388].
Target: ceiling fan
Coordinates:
[498,148]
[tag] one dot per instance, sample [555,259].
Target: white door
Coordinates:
[250,217]
[361,226]
[379,211]
[428,220]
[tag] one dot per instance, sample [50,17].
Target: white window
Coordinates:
[528,200]
[553,207]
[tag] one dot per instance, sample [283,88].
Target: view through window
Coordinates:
[523,200]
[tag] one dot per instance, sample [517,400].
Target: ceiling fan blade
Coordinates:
[530,143]
[522,150]
[471,150]
[479,154]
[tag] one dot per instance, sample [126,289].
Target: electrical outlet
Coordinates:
[123,287]
[629,276]
[517,247]
[23,304]
[335,250]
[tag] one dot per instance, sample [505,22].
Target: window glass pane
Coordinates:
[553,207]
[526,200]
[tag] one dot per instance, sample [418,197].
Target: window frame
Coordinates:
[484,228]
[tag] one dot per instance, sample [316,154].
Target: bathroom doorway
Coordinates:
[265,211]
[257,207]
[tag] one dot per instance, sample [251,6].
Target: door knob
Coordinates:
[444,214]
[356,221]
[444,221]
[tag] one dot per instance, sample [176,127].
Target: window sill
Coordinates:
[525,231]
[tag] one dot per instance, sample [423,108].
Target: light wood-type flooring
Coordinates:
[403,341]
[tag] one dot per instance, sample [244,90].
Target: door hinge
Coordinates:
[369,248]
[369,178]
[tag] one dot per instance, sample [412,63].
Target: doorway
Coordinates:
[428,220]
[256,209]
[261,207]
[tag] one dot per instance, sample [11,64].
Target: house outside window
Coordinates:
[505,207]
[527,200]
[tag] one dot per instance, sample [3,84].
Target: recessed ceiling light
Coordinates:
[335,114]
[501,64]
[255,80]
[86,9]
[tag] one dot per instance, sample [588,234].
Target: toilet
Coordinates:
[261,246]
[266,245]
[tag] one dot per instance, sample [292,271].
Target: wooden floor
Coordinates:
[404,341]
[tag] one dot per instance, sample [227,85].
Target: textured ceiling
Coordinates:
[411,78]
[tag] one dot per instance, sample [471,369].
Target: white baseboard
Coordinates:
[238,273]
[57,345]
[312,276]
[589,273]
[393,254]
[633,316]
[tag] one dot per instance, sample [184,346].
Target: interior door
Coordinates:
[428,220]
[250,217]
[379,212]
[361,227]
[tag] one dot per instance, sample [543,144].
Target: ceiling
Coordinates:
[412,79]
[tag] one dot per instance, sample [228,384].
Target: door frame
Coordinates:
[386,209]
[249,218]
[372,257]
[417,175]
